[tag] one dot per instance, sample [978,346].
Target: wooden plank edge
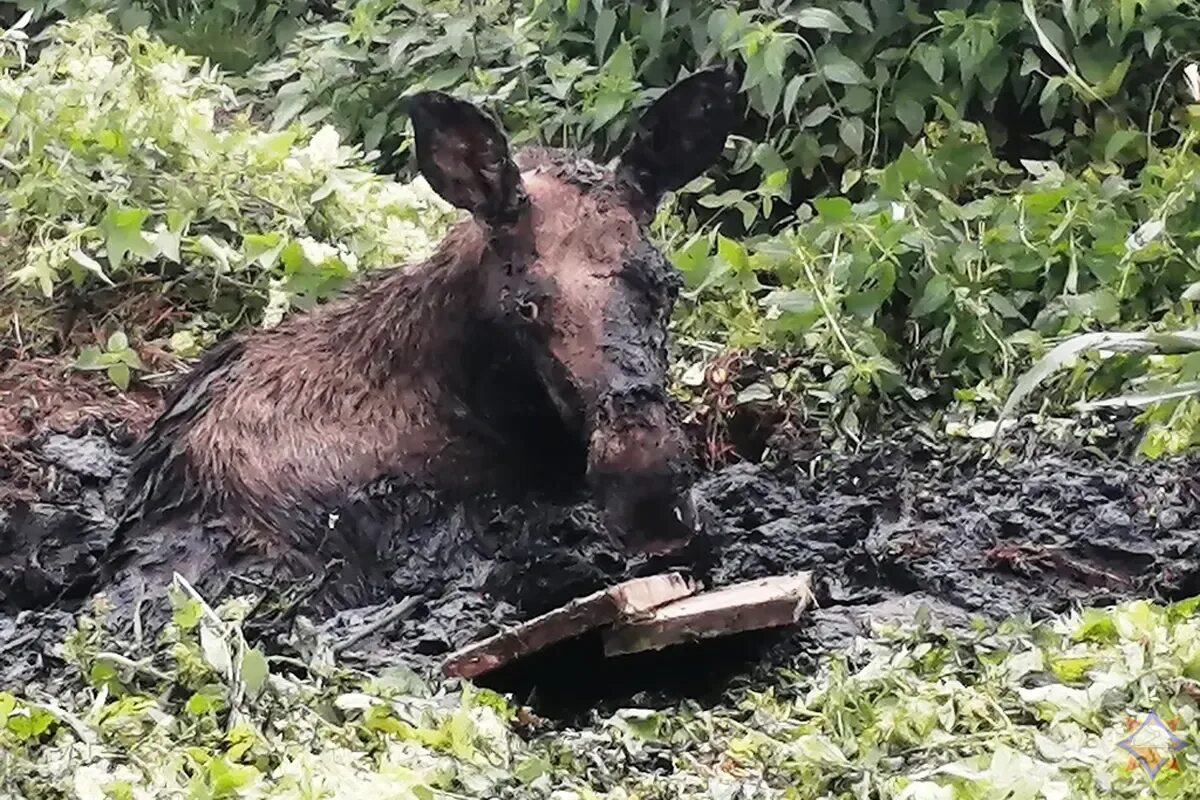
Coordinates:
[749,605]
[631,598]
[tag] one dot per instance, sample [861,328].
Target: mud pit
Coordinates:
[906,521]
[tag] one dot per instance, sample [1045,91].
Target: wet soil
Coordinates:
[908,520]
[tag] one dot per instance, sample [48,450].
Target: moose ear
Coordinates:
[683,133]
[464,155]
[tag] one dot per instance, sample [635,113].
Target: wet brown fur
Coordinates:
[530,348]
[293,417]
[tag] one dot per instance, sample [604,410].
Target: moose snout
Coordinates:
[642,481]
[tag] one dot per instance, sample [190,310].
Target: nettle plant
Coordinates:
[834,89]
[130,164]
[954,271]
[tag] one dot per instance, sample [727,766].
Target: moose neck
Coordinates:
[435,330]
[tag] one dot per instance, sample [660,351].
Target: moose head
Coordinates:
[571,273]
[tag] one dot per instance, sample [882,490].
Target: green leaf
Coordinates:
[776,54]
[851,131]
[798,310]
[202,703]
[1118,142]
[91,358]
[215,650]
[1142,399]
[606,107]
[118,341]
[834,210]
[725,199]
[1151,36]
[606,22]
[531,769]
[263,248]
[931,60]
[90,264]
[837,68]
[819,19]
[620,65]
[911,114]
[858,12]
[254,672]
[858,100]
[757,392]
[644,724]
[1100,305]
[32,724]
[937,292]
[816,116]
[166,244]
[771,88]
[733,253]
[123,235]
[119,375]
[791,94]
[228,779]
[793,301]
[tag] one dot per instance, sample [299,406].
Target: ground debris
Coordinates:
[1032,559]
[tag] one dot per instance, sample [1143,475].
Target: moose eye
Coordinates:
[528,310]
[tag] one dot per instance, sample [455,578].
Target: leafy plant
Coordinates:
[234,34]
[1170,390]
[914,711]
[954,269]
[128,167]
[116,359]
[833,89]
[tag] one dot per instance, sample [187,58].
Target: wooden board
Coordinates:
[625,600]
[752,605]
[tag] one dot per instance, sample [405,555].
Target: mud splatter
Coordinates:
[904,522]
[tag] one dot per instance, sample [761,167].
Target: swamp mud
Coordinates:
[905,521]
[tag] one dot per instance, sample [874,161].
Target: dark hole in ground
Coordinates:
[902,520]
[573,678]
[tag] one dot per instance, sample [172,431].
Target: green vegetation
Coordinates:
[132,170]
[911,713]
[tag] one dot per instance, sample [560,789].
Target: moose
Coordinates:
[528,351]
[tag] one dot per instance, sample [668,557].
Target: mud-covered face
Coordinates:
[571,268]
[594,301]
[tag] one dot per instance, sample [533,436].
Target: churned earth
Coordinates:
[907,521]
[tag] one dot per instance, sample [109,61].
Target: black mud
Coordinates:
[903,523]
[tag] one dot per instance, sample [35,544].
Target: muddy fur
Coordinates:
[527,356]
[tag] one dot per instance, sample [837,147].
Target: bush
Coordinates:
[834,88]
[955,269]
[127,165]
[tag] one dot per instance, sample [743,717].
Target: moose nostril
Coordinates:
[528,310]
